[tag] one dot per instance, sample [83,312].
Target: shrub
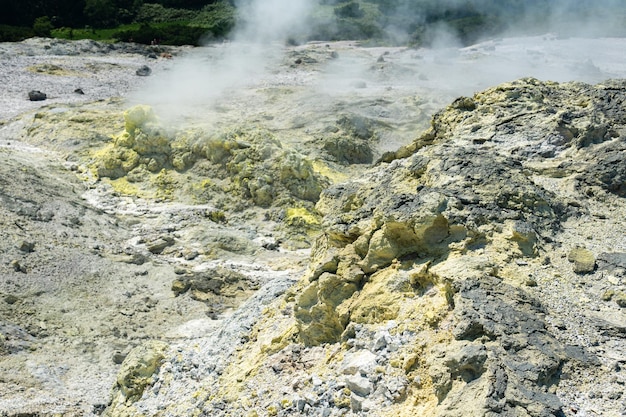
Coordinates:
[43,27]
[349,10]
[156,13]
[15,33]
[100,13]
[348,20]
[170,34]
[218,18]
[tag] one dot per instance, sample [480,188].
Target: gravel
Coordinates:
[96,71]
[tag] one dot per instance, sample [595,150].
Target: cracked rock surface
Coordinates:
[311,253]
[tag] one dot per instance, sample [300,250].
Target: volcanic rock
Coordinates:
[251,267]
[583,260]
[144,71]
[36,95]
[435,247]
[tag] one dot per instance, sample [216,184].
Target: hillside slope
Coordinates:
[476,271]
[298,241]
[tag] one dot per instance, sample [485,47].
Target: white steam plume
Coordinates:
[271,20]
[212,78]
[198,80]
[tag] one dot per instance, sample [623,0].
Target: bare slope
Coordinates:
[479,271]
[477,267]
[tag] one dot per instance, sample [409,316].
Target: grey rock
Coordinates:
[299,404]
[356,403]
[467,360]
[359,385]
[381,341]
[612,261]
[36,95]
[360,362]
[144,71]
[157,246]
[511,320]
[11,299]
[311,399]
[26,246]
[17,266]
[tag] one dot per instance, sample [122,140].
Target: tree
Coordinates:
[100,13]
[43,26]
[185,4]
[349,10]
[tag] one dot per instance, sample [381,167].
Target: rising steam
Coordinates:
[203,76]
[209,76]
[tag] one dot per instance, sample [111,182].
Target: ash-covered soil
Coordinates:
[477,266]
[71,71]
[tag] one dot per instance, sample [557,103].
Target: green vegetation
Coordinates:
[90,32]
[173,26]
[167,22]
[42,26]
[15,33]
[416,22]
[163,33]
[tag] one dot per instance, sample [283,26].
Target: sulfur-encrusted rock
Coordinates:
[250,164]
[138,371]
[467,189]
[583,259]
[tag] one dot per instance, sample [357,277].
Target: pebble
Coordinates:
[359,385]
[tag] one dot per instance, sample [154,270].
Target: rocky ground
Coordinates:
[307,240]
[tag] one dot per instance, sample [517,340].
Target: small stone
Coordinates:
[36,95]
[17,267]
[530,282]
[299,404]
[361,362]
[311,399]
[356,403]
[135,258]
[11,299]
[118,358]
[595,394]
[608,295]
[359,385]
[160,244]
[180,286]
[397,387]
[381,341]
[26,246]
[615,395]
[144,71]
[583,259]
